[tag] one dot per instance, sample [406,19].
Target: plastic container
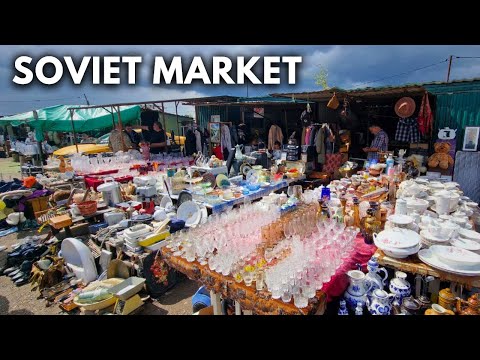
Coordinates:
[126,289]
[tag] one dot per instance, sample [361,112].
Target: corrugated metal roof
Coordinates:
[405,89]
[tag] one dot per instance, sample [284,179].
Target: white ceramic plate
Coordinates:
[433,239]
[466,244]
[400,219]
[166,202]
[189,212]
[428,257]
[252,176]
[469,234]
[454,255]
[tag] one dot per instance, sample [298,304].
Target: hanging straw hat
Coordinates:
[405,107]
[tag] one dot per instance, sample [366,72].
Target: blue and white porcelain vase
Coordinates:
[400,286]
[359,309]
[373,275]
[357,290]
[343,308]
[380,302]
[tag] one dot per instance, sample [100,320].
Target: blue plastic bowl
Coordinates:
[253,187]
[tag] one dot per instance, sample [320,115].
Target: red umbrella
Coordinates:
[425,116]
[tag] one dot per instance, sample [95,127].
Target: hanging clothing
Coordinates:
[274,134]
[320,146]
[425,116]
[225,140]
[234,135]
[313,135]
[308,132]
[407,130]
[198,141]
[190,142]
[302,138]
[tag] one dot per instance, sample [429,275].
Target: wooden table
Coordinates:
[413,265]
[247,298]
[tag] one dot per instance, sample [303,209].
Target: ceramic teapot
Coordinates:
[472,305]
[399,285]
[238,152]
[358,288]
[373,275]
[447,133]
[380,302]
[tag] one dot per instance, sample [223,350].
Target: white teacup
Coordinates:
[436,230]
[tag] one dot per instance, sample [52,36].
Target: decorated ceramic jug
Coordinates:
[399,285]
[358,288]
[380,302]
[373,275]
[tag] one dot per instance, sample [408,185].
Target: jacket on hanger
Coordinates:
[320,146]
[226,141]
[198,140]
[274,134]
[302,138]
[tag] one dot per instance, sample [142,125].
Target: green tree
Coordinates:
[321,78]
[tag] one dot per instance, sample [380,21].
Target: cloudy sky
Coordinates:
[348,67]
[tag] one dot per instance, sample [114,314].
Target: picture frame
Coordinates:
[470,139]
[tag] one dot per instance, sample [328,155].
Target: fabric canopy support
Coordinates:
[57,118]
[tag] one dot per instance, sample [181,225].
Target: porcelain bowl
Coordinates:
[418,205]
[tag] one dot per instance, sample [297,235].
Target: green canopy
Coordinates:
[57,118]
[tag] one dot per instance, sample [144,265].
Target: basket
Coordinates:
[87,207]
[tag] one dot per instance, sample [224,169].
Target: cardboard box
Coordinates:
[419,146]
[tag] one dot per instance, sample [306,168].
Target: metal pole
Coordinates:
[449,68]
[176,114]
[88,103]
[73,129]
[124,147]
[163,118]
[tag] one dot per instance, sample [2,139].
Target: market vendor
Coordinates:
[379,142]
[156,137]
[115,141]
[135,137]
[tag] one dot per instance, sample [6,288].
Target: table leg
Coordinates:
[238,308]
[216,303]
[434,287]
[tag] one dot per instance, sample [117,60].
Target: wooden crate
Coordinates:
[59,222]
[38,204]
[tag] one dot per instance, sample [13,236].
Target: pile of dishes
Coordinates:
[397,242]
[451,259]
[437,232]
[467,240]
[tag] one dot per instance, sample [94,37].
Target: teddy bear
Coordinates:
[441,157]
[417,161]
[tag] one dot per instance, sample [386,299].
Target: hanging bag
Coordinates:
[333,103]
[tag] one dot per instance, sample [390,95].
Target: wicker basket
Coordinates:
[87,207]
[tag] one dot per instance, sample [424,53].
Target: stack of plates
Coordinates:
[451,259]
[429,239]
[397,242]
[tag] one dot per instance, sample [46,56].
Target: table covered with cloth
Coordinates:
[261,302]
[94,182]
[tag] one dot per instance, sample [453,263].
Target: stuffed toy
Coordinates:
[417,161]
[441,157]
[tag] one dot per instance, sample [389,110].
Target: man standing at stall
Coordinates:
[156,137]
[118,139]
[379,142]
[135,137]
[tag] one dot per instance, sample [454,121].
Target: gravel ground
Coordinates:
[22,301]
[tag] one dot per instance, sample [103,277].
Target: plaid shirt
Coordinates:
[407,131]
[380,142]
